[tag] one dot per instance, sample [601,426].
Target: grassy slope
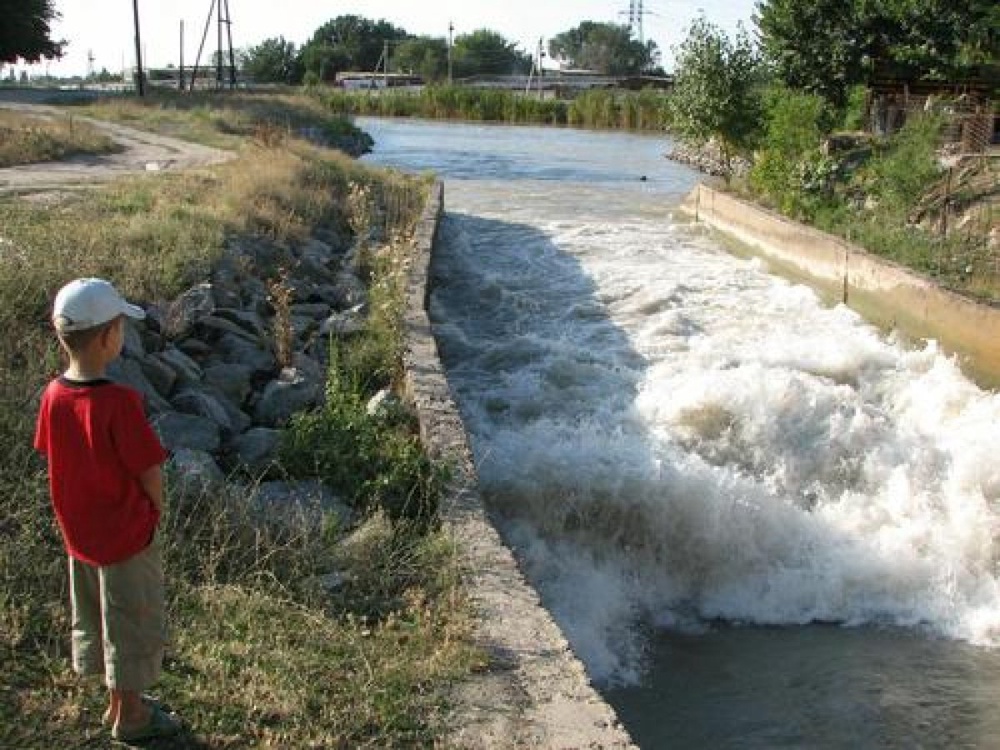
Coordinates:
[259,658]
[28,139]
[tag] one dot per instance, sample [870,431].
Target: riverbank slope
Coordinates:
[886,294]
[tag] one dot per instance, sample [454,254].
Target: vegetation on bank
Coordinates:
[28,139]
[893,196]
[642,110]
[234,121]
[265,652]
[806,157]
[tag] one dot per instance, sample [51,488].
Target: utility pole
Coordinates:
[229,37]
[451,29]
[140,83]
[385,63]
[180,70]
[541,54]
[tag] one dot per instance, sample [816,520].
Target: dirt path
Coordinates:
[142,152]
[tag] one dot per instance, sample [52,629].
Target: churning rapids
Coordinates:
[760,521]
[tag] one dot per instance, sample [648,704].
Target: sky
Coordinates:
[105,28]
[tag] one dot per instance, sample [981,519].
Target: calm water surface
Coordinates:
[760,522]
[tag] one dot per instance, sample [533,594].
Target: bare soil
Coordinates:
[141,152]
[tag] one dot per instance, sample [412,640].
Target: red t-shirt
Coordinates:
[98,442]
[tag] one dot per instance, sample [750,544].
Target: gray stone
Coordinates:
[317,251]
[384,403]
[239,419]
[188,371]
[232,379]
[203,404]
[184,311]
[129,372]
[256,447]
[159,373]
[302,326]
[225,287]
[315,310]
[218,326]
[192,473]
[195,348]
[237,350]
[178,431]
[308,367]
[305,502]
[133,346]
[315,270]
[351,291]
[249,320]
[343,324]
[292,392]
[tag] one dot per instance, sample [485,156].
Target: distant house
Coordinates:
[969,103]
[355,80]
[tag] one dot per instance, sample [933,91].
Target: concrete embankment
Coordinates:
[534,692]
[886,294]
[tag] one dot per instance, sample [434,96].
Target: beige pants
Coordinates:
[119,622]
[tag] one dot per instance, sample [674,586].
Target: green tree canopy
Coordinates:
[424,56]
[349,43]
[487,52]
[25,31]
[826,46]
[606,48]
[273,61]
[715,92]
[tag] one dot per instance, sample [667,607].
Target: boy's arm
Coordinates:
[152,482]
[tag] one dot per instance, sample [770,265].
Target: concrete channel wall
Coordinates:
[534,692]
[886,294]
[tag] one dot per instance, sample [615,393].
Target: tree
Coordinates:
[424,56]
[715,89]
[273,61]
[25,31]
[605,48]
[349,43]
[487,52]
[827,46]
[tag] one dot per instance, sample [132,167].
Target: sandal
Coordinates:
[147,699]
[160,724]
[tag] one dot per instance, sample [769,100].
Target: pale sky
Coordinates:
[105,27]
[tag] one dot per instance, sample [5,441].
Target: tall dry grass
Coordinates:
[262,657]
[32,138]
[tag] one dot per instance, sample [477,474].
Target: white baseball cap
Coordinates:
[86,303]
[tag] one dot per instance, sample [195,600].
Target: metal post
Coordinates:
[140,83]
[541,73]
[218,48]
[232,54]
[451,29]
[180,70]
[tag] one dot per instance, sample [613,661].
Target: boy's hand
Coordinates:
[152,482]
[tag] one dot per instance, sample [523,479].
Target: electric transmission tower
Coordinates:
[224,25]
[635,15]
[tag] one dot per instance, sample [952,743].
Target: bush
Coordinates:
[908,166]
[789,169]
[374,462]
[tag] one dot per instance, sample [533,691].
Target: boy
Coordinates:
[107,492]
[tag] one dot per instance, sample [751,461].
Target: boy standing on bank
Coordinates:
[105,480]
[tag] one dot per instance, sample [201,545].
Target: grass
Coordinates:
[644,110]
[29,139]
[263,655]
[230,121]
[891,196]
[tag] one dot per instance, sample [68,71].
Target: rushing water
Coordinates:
[761,522]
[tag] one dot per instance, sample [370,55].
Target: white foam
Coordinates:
[672,435]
